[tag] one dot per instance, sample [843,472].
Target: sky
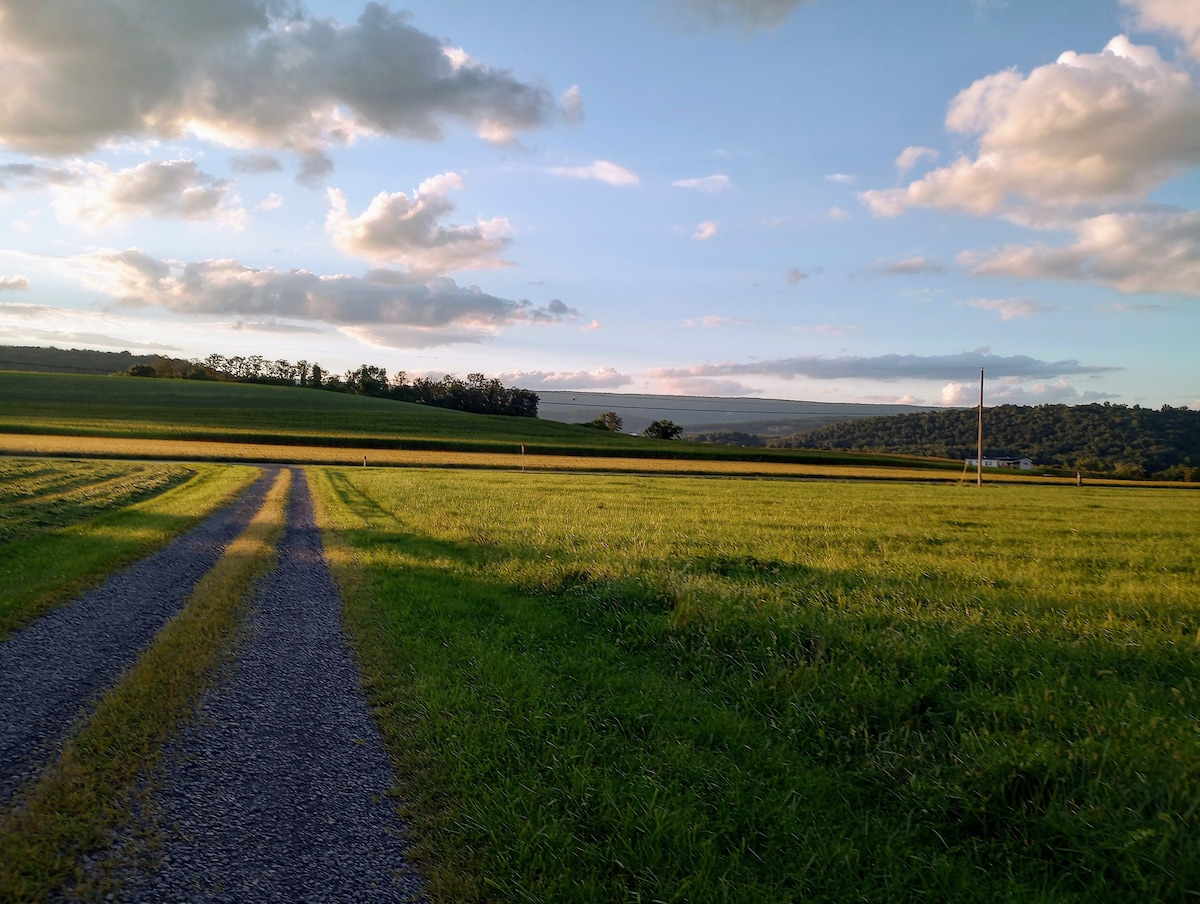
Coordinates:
[824,200]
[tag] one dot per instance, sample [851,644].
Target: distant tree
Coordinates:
[663,429]
[142,370]
[317,376]
[610,420]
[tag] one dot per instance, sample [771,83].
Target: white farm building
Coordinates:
[1019,464]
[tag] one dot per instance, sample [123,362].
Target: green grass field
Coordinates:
[619,688]
[184,410]
[65,525]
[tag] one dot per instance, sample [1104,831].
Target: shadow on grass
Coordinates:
[568,733]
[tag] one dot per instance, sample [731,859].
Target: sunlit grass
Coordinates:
[69,524]
[621,688]
[97,784]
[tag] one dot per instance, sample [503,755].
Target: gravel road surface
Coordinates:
[51,669]
[277,791]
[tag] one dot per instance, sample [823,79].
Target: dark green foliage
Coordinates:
[610,420]
[1122,440]
[663,429]
[729,438]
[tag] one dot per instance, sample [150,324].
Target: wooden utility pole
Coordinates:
[979,460]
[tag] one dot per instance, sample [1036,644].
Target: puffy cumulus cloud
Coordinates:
[837,213]
[749,14]
[909,266]
[1146,251]
[1088,128]
[392,306]
[705,231]
[715,183]
[244,73]
[604,378]
[1010,308]
[13,283]
[910,157]
[175,189]
[890,367]
[1178,17]
[601,170]
[272,201]
[1012,392]
[401,230]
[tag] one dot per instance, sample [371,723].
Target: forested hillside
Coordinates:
[1127,441]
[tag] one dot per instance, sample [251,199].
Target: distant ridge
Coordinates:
[39,359]
[708,414]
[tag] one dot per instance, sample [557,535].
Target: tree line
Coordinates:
[476,394]
[1118,440]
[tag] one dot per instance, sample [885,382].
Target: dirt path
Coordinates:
[278,791]
[52,669]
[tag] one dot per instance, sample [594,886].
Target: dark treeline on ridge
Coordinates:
[1121,440]
[476,394]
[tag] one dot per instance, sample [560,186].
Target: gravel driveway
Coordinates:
[278,791]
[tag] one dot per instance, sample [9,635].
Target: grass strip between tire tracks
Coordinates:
[94,787]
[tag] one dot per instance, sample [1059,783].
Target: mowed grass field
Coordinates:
[41,413]
[64,525]
[646,689]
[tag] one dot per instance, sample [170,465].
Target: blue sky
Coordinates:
[839,200]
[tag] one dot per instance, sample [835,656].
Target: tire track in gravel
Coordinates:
[278,789]
[52,669]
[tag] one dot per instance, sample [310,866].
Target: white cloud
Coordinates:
[837,213]
[13,283]
[714,183]
[908,266]
[1010,308]
[1011,392]
[601,170]
[572,104]
[1087,128]
[910,157]
[1154,251]
[385,305]
[890,367]
[705,231]
[795,275]
[840,178]
[174,189]
[594,325]
[604,378]
[272,201]
[1178,17]
[712,322]
[401,230]
[243,73]
[33,176]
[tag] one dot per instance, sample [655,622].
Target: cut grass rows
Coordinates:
[603,688]
[97,784]
[73,548]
